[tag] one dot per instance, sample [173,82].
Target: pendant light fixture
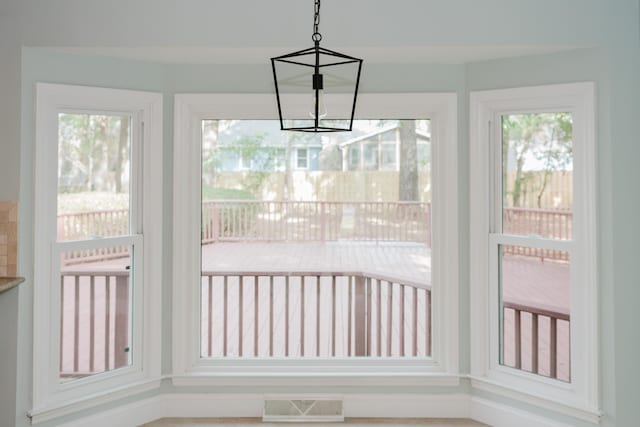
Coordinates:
[329,78]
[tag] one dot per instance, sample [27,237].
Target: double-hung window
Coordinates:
[98,210]
[533,246]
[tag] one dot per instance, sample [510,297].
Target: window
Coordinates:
[533,240]
[97,172]
[354,157]
[208,345]
[302,159]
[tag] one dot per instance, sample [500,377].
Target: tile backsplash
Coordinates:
[8,238]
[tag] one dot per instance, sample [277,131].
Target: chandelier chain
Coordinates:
[316,37]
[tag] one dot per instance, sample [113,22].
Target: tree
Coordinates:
[408,177]
[545,138]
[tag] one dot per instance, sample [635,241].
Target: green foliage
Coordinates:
[92,152]
[545,138]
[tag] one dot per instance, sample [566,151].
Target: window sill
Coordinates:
[310,379]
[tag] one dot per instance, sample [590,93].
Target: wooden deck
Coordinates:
[404,261]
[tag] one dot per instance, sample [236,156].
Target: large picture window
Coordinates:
[97,177]
[328,267]
[533,243]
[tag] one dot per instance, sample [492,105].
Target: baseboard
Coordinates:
[128,415]
[500,415]
[203,405]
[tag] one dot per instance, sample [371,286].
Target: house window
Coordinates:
[533,233]
[280,316]
[370,157]
[388,156]
[354,157]
[302,158]
[97,175]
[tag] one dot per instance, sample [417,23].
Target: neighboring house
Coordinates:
[260,146]
[380,150]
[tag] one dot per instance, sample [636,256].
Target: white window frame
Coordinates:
[51,398]
[190,369]
[580,397]
[306,158]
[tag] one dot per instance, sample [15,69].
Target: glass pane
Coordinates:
[537,170]
[280,243]
[95,299]
[535,310]
[94,164]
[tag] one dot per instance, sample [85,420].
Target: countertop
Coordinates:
[7,283]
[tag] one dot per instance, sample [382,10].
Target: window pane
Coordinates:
[280,244]
[537,171]
[535,310]
[95,291]
[94,164]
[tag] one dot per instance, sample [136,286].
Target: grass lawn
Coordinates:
[105,201]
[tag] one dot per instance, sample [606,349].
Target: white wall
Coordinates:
[413,32]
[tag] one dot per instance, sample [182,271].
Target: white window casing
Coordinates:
[190,369]
[579,398]
[51,398]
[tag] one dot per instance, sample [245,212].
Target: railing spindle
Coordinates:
[121,327]
[534,343]
[379,316]
[317,315]
[210,318]
[286,316]
[62,300]
[402,320]
[360,313]
[271,316]
[302,315]
[368,308]
[350,314]
[414,343]
[427,294]
[107,323]
[92,323]
[517,338]
[225,317]
[389,318]
[76,324]
[256,312]
[333,316]
[553,349]
[240,315]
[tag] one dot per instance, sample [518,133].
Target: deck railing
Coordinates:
[537,343]
[85,225]
[250,220]
[313,314]
[546,223]
[94,322]
[291,314]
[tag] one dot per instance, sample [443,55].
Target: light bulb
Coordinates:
[322,110]
[318,86]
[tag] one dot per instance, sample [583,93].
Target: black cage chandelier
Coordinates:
[329,78]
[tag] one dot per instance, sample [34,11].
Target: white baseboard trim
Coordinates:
[129,415]
[500,415]
[203,405]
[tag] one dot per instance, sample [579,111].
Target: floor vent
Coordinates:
[316,410]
